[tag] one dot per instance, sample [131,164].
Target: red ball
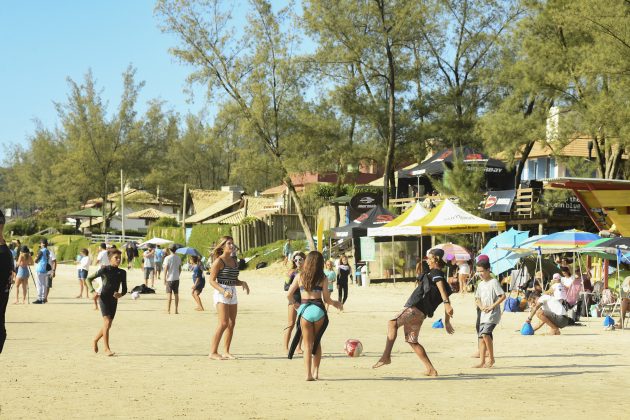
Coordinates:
[353,347]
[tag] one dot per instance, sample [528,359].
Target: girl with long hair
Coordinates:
[25,259]
[224,279]
[312,284]
[297,262]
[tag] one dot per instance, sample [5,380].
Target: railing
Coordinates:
[113,238]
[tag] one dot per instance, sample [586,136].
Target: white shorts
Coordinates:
[220,298]
[464,269]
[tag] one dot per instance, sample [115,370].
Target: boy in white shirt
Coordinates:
[488,297]
[83,265]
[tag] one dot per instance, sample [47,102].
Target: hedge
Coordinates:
[204,237]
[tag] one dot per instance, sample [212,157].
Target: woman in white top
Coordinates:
[463,273]
[83,265]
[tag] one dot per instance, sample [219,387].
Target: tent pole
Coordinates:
[393,262]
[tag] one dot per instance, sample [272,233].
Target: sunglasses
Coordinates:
[298,259]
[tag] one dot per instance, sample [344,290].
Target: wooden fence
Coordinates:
[272,228]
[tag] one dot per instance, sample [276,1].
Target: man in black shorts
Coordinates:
[6,275]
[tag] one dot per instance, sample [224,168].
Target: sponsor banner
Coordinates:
[368,249]
[499,201]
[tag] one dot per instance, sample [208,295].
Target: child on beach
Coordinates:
[432,290]
[199,281]
[488,298]
[114,279]
[83,265]
[329,271]
[312,284]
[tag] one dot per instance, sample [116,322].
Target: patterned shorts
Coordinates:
[411,320]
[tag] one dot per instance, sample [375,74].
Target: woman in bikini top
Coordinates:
[312,318]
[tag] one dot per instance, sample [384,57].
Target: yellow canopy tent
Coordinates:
[449,218]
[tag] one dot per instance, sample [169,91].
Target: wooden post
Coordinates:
[540,228]
[184,212]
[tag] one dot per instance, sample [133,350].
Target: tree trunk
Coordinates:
[391,139]
[299,211]
[521,164]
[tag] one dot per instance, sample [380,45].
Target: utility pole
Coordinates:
[122,205]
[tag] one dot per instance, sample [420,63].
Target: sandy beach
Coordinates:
[161,369]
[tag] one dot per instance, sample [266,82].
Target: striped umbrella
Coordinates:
[565,241]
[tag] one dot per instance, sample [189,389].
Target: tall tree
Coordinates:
[98,145]
[373,38]
[257,70]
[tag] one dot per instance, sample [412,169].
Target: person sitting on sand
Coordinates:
[424,300]
[312,318]
[114,278]
[550,310]
[488,298]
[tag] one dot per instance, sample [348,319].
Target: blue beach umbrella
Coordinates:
[187,251]
[497,253]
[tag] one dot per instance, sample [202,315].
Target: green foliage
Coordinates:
[174,234]
[165,222]
[271,253]
[69,251]
[204,237]
[463,182]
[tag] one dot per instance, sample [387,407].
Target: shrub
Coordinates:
[203,237]
[165,222]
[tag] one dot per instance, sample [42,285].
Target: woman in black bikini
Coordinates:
[113,278]
[312,284]
[224,279]
[298,262]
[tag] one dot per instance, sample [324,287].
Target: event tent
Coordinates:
[439,162]
[398,226]
[447,217]
[378,216]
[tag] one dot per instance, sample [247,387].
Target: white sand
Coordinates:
[161,369]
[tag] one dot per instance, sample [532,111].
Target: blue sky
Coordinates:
[42,42]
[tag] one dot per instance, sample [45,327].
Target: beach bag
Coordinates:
[242,265]
[262,264]
[511,304]
[142,289]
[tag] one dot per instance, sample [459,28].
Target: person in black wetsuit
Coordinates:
[113,279]
[432,290]
[6,275]
[343,272]
[297,262]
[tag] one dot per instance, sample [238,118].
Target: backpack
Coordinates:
[512,304]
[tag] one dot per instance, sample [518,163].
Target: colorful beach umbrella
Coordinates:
[459,252]
[565,241]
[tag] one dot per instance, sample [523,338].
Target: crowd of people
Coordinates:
[309,285]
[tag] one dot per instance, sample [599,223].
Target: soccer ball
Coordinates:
[135,295]
[353,347]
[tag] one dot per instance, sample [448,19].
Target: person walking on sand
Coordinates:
[224,279]
[172,269]
[42,268]
[488,297]
[6,276]
[286,251]
[148,263]
[343,272]
[159,258]
[199,281]
[24,261]
[114,287]
[101,259]
[329,271]
[297,262]
[312,284]
[83,266]
[432,290]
